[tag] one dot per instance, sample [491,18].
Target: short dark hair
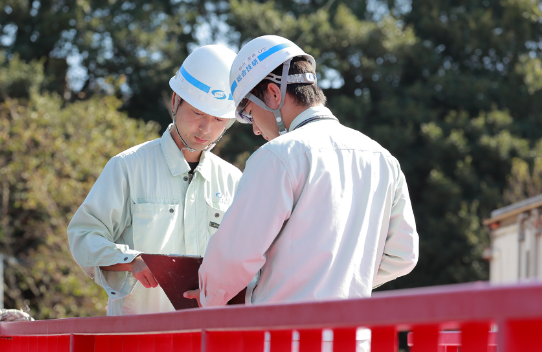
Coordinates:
[303,94]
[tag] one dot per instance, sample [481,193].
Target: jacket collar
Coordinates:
[204,166]
[310,112]
[175,158]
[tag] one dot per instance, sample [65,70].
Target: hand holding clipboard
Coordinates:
[177,274]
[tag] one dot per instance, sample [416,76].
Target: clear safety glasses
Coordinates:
[244,115]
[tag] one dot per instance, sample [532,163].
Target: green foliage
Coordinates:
[19,78]
[50,156]
[129,49]
[525,180]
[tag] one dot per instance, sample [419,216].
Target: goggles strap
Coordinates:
[278,117]
[276,112]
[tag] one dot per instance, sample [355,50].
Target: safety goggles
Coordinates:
[243,115]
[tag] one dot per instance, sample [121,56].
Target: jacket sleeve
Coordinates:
[237,250]
[401,247]
[100,221]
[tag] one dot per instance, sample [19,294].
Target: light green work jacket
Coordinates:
[143,202]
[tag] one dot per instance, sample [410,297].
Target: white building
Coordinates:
[515,252]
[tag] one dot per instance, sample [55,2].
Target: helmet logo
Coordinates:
[219,94]
[254,60]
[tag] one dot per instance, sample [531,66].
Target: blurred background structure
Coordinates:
[516,246]
[453,89]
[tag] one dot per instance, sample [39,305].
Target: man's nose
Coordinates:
[255,129]
[205,125]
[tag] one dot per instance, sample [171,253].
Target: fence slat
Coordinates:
[32,344]
[521,336]
[253,341]
[196,342]
[6,344]
[384,339]
[115,343]
[344,340]
[223,341]
[52,344]
[16,344]
[187,342]
[233,342]
[146,343]
[130,343]
[101,343]
[82,343]
[182,342]
[41,344]
[63,343]
[310,340]
[281,341]
[24,343]
[164,343]
[475,337]
[425,338]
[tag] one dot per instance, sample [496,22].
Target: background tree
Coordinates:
[525,180]
[50,155]
[129,49]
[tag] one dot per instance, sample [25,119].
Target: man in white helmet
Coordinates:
[165,196]
[322,211]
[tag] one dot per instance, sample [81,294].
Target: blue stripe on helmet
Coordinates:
[273,50]
[264,56]
[200,85]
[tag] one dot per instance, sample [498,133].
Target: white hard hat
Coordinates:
[202,81]
[255,62]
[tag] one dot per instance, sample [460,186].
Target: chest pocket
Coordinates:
[155,228]
[214,219]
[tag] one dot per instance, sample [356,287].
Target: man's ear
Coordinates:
[173,97]
[273,96]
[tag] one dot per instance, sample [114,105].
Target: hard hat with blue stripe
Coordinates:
[254,63]
[203,80]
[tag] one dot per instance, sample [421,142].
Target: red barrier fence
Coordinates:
[470,309]
[450,341]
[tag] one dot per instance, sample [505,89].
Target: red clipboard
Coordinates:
[177,274]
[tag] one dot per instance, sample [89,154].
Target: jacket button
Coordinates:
[171,210]
[217,215]
[185,178]
[126,258]
[113,293]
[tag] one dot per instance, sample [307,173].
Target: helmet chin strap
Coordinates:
[187,147]
[276,112]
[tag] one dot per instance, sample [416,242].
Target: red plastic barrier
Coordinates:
[472,338]
[470,309]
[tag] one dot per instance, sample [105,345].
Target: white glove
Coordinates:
[14,315]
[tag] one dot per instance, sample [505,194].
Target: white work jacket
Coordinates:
[143,202]
[322,212]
